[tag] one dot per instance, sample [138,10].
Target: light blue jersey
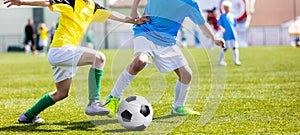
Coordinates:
[166,19]
[228,21]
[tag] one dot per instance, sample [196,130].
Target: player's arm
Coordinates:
[126,19]
[134,9]
[207,30]
[43,3]
[222,28]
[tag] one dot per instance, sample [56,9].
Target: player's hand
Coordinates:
[220,42]
[12,2]
[142,20]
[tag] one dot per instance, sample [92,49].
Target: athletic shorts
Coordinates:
[29,39]
[64,61]
[165,59]
[231,44]
[43,42]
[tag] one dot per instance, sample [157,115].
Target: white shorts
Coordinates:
[165,59]
[64,61]
[43,42]
[231,44]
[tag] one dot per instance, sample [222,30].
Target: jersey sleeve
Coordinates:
[61,5]
[100,14]
[220,21]
[196,15]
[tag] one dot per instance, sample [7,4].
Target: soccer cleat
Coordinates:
[237,63]
[182,111]
[112,104]
[24,119]
[222,63]
[96,108]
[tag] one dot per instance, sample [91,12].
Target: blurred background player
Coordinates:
[166,20]
[43,38]
[52,31]
[212,18]
[227,24]
[29,37]
[90,42]
[65,54]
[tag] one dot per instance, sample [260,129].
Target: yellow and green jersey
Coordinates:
[75,17]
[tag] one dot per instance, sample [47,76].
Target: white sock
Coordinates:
[180,94]
[236,55]
[123,81]
[222,54]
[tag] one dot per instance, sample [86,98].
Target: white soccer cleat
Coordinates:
[96,108]
[237,63]
[222,63]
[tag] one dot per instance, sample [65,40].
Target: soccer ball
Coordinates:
[135,113]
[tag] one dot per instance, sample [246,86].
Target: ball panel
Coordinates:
[139,128]
[145,110]
[131,98]
[126,116]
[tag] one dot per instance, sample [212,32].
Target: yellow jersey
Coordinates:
[44,34]
[75,17]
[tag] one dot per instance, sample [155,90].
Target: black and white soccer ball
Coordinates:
[135,113]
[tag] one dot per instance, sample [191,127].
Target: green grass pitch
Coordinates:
[262,96]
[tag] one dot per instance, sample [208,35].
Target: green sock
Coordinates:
[95,77]
[39,106]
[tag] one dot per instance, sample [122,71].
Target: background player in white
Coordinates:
[227,24]
[158,41]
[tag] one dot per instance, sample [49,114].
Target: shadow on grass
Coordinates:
[164,117]
[120,131]
[159,119]
[80,126]
[27,127]
[88,125]
[85,125]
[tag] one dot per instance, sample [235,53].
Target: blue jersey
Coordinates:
[228,21]
[166,19]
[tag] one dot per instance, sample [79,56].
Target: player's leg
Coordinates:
[181,91]
[33,46]
[97,61]
[171,59]
[126,77]
[182,85]
[222,57]
[141,51]
[26,46]
[236,53]
[31,115]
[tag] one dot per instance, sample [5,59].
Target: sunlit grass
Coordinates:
[261,96]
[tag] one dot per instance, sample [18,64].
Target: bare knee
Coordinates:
[184,75]
[100,60]
[138,64]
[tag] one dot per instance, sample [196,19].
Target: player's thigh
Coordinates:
[168,59]
[90,56]
[231,44]
[184,72]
